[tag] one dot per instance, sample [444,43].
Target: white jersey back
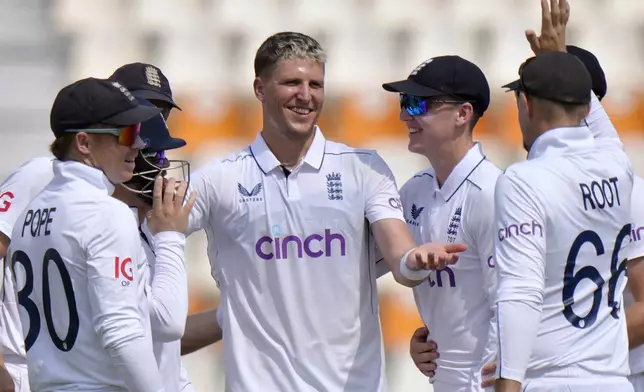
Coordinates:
[291,255]
[16,191]
[636,250]
[77,281]
[563,220]
[456,303]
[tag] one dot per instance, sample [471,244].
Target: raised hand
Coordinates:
[434,256]
[554,19]
[168,211]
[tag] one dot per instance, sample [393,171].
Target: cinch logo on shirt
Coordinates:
[394,202]
[439,278]
[314,246]
[520,229]
[636,233]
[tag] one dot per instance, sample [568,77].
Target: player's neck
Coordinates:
[446,156]
[288,150]
[142,211]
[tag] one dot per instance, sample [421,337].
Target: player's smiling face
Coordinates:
[431,129]
[115,160]
[292,94]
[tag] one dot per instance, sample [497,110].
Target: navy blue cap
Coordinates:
[145,81]
[92,101]
[155,133]
[556,76]
[600,86]
[446,75]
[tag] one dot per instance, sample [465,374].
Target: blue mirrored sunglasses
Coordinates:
[414,105]
[417,106]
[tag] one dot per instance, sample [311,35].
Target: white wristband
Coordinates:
[410,273]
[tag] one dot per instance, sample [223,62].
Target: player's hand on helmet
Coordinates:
[554,18]
[488,374]
[6,381]
[434,256]
[169,213]
[424,353]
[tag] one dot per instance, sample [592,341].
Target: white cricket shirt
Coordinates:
[74,253]
[562,219]
[16,191]
[293,261]
[457,302]
[601,127]
[167,291]
[636,250]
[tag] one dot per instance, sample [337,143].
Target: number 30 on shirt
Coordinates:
[572,278]
[51,256]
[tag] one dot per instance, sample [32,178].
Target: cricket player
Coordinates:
[149,83]
[424,352]
[32,177]
[288,221]
[562,218]
[634,296]
[16,191]
[97,332]
[600,125]
[146,81]
[165,279]
[453,201]
[562,284]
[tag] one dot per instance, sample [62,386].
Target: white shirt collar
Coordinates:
[461,172]
[72,170]
[267,161]
[554,141]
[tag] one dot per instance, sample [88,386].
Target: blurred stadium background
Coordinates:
[206,48]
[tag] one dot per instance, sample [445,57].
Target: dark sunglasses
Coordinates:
[127,136]
[417,106]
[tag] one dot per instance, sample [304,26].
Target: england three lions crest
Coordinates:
[334,186]
[454,225]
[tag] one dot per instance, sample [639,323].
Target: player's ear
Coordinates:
[258,87]
[586,110]
[526,104]
[84,143]
[464,114]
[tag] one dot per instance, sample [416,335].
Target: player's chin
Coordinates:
[303,129]
[415,145]
[124,174]
[302,123]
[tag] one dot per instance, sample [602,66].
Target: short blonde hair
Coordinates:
[287,46]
